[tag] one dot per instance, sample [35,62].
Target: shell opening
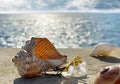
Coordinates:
[104,70]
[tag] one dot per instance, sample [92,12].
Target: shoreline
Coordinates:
[9,74]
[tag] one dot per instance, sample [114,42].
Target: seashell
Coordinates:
[76,68]
[109,75]
[36,56]
[75,71]
[104,49]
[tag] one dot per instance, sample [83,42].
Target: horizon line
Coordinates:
[61,11]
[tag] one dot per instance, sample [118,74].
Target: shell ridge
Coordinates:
[36,56]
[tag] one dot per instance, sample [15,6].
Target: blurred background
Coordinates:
[66,23]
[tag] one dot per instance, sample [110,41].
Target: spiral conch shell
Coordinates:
[109,75]
[104,49]
[36,56]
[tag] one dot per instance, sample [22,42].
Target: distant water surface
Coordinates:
[73,30]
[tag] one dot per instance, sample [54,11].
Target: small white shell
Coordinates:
[76,71]
[104,49]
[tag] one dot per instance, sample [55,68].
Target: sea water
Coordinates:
[64,30]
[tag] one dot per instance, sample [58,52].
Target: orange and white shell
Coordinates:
[104,49]
[109,75]
[36,56]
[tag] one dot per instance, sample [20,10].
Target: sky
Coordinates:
[59,5]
